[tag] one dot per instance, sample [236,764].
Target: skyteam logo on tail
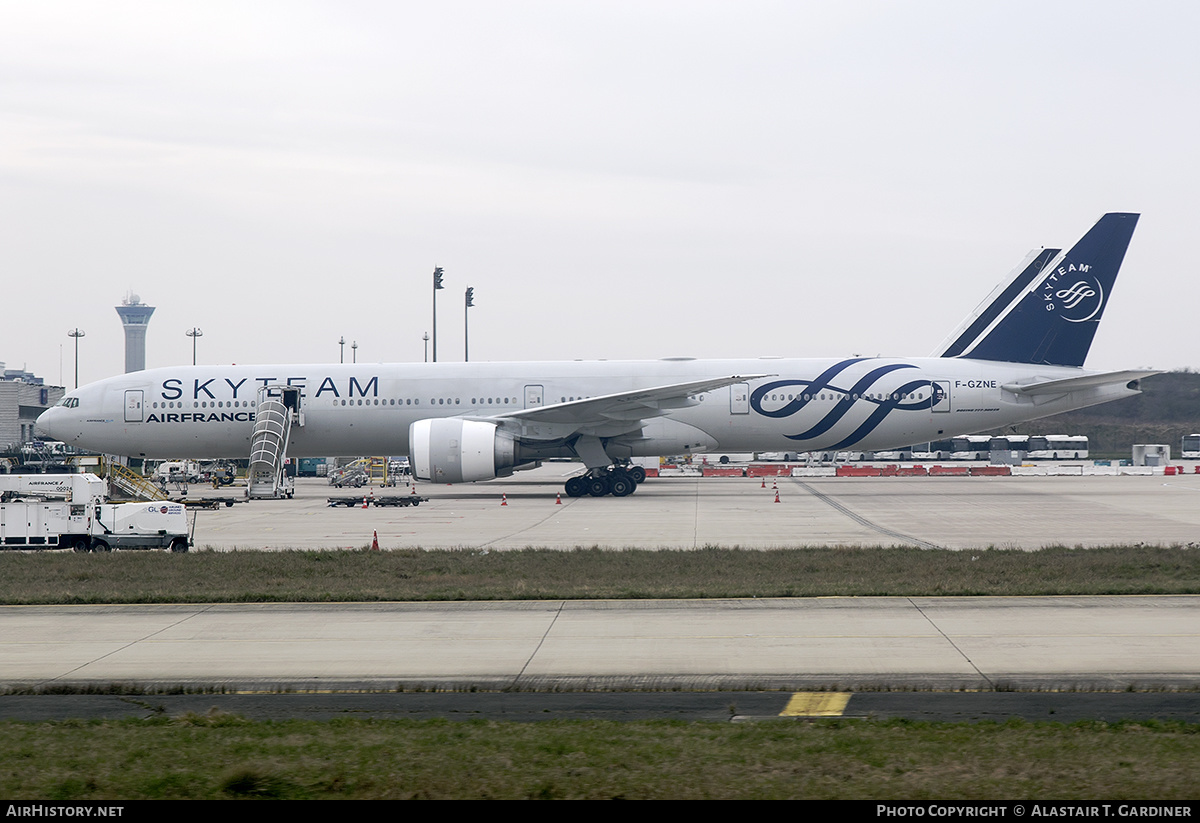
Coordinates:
[1073,293]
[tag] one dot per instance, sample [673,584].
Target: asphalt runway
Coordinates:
[709,706]
[690,512]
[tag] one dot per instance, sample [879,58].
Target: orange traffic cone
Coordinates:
[776,496]
[764,485]
[504,500]
[374,540]
[364,501]
[558,499]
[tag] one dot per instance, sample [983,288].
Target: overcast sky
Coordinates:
[615,179]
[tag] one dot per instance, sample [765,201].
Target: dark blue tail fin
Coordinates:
[996,303]
[1050,311]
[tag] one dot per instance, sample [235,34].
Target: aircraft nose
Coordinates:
[44,426]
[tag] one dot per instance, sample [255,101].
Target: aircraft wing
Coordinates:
[1070,384]
[609,415]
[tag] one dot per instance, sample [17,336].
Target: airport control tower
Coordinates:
[135,316]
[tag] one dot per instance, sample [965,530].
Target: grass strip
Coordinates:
[225,756]
[588,573]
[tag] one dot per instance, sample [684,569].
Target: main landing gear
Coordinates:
[619,481]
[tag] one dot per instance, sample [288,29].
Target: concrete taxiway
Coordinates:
[831,643]
[689,512]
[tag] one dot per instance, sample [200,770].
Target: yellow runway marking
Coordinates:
[816,704]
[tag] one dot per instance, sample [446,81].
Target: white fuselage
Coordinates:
[803,405]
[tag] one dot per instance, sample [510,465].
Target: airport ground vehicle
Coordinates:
[70,511]
[1189,447]
[394,500]
[744,457]
[983,447]
[178,471]
[933,450]
[1009,442]
[903,454]
[971,447]
[1058,447]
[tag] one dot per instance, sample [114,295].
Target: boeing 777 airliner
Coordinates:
[1017,358]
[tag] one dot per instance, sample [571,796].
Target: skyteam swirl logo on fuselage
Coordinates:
[884,402]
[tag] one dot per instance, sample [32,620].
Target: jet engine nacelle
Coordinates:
[452,450]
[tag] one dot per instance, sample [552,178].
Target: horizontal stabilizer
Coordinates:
[1070,384]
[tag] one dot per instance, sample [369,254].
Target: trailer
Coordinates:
[208,502]
[389,500]
[70,511]
[400,500]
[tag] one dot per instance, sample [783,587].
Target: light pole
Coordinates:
[426,339]
[194,333]
[468,303]
[341,349]
[437,284]
[354,351]
[76,333]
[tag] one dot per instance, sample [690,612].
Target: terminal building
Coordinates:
[23,396]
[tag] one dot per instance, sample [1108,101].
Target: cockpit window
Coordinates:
[69,402]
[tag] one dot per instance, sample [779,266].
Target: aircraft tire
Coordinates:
[576,487]
[598,486]
[621,484]
[638,474]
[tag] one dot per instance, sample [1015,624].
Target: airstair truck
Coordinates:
[70,511]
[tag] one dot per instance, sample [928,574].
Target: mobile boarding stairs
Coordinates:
[279,409]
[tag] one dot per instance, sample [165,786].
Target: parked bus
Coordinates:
[1009,443]
[902,454]
[935,450]
[1190,447]
[1058,447]
[971,447]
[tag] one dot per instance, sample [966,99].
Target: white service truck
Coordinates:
[41,511]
